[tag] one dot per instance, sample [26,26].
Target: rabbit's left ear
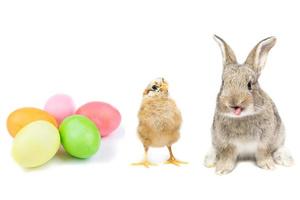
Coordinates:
[258,56]
[227,53]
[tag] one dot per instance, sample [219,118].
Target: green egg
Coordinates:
[80,137]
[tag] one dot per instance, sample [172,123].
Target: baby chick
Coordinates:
[159,121]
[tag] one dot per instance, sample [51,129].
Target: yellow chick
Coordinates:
[159,121]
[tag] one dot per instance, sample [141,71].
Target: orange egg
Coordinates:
[23,116]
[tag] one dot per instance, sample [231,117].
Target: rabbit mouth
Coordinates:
[237,110]
[240,112]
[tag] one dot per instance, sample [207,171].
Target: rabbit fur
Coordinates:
[246,121]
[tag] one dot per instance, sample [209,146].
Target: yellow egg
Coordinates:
[35,144]
[23,116]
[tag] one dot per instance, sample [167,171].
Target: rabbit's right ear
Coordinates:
[258,56]
[227,53]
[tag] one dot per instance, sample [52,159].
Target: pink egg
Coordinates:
[60,106]
[105,116]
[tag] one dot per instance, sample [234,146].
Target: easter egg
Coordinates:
[60,106]
[35,144]
[23,116]
[80,137]
[105,116]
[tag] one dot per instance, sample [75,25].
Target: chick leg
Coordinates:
[145,162]
[172,160]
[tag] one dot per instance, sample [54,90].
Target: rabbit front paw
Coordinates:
[267,163]
[224,167]
[210,159]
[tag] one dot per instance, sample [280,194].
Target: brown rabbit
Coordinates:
[159,120]
[246,121]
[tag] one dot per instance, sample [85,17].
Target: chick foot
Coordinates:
[174,161]
[144,163]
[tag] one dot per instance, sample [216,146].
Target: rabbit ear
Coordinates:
[258,56]
[228,54]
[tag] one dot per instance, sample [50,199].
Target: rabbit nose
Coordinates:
[234,103]
[235,107]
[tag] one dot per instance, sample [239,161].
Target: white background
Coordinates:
[109,51]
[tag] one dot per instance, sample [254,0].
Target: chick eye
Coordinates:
[249,85]
[154,87]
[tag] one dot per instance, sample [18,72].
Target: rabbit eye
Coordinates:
[154,87]
[249,85]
